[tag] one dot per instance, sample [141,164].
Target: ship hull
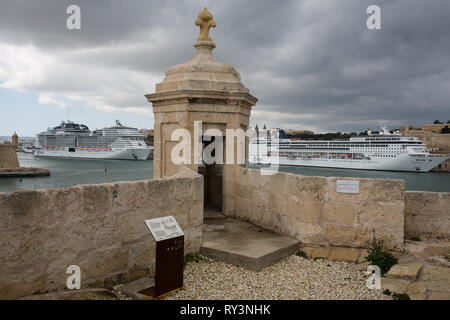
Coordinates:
[113,154]
[405,163]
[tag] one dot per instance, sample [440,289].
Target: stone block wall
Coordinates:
[100,228]
[310,209]
[427,214]
[8,156]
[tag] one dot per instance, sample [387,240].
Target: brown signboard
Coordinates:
[169,265]
[169,256]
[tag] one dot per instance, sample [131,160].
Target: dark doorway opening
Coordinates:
[213,176]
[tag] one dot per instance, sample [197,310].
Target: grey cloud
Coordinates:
[297,57]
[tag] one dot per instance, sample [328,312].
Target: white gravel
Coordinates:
[293,278]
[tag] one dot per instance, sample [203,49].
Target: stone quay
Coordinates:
[9,163]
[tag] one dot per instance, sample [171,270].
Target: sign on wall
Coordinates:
[347,186]
[164,228]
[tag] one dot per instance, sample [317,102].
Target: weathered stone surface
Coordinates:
[137,273]
[438,278]
[100,228]
[361,266]
[439,285]
[427,248]
[244,244]
[436,295]
[419,287]
[394,285]
[133,288]
[8,155]
[114,280]
[342,235]
[320,252]
[344,254]
[406,270]
[431,272]
[418,296]
[83,294]
[308,233]
[310,209]
[341,213]
[363,255]
[440,260]
[435,251]
[17,287]
[427,214]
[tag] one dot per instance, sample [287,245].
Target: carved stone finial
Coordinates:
[205,22]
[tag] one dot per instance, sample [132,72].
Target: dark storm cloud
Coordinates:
[311,63]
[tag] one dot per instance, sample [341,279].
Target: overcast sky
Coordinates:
[313,64]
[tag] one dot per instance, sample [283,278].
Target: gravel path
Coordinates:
[293,278]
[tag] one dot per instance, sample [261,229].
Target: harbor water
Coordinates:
[70,172]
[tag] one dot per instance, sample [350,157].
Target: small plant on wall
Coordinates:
[378,255]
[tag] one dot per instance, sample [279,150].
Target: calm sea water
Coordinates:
[69,172]
[65,172]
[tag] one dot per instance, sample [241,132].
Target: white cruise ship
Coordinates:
[72,140]
[384,151]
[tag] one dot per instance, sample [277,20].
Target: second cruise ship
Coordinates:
[384,151]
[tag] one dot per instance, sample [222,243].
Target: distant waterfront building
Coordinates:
[8,155]
[15,139]
[298,132]
[436,141]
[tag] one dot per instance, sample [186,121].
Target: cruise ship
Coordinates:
[384,151]
[73,140]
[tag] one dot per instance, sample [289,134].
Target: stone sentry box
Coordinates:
[205,90]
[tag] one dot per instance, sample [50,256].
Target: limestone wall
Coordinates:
[310,209]
[8,156]
[100,228]
[427,214]
[434,140]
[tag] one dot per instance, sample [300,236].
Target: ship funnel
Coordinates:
[118,123]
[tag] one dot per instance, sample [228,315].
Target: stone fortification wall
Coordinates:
[8,156]
[100,228]
[310,209]
[427,214]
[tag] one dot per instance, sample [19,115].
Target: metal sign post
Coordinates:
[169,256]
